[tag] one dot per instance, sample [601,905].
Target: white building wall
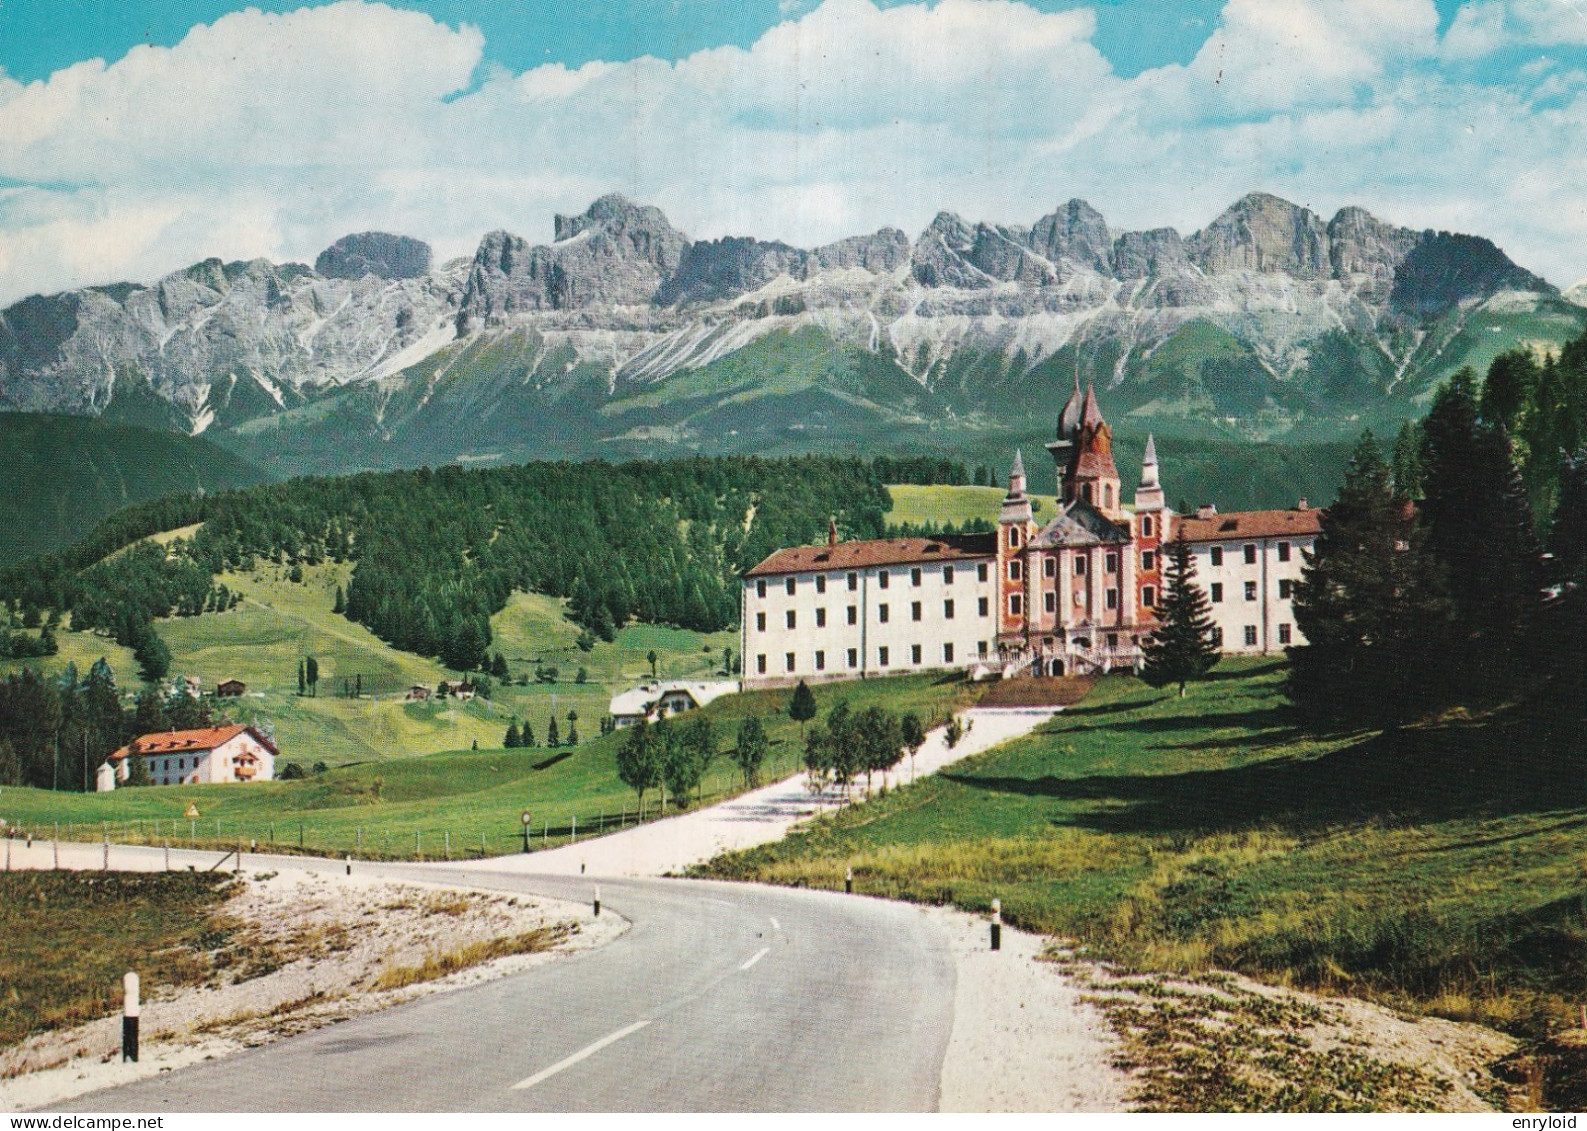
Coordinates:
[824,643]
[1253,600]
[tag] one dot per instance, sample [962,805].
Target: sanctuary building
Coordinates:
[1075,595]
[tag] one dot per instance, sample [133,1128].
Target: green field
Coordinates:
[400,808]
[954,505]
[1434,868]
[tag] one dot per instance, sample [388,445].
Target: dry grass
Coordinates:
[473,954]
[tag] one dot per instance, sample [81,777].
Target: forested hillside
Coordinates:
[65,473]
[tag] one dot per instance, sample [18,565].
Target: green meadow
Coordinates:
[918,505]
[1434,868]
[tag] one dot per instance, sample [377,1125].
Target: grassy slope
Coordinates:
[65,473]
[461,793]
[916,504]
[1209,831]
[62,969]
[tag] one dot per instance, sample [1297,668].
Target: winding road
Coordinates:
[718,998]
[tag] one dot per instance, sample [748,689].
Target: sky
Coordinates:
[138,138]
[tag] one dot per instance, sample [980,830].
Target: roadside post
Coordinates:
[525,819]
[349,865]
[107,852]
[997,924]
[848,881]
[130,1011]
[597,901]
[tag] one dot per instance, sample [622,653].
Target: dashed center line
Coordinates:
[756,957]
[776,926]
[584,1053]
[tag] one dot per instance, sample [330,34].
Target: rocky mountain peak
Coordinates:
[1075,232]
[1265,233]
[381,254]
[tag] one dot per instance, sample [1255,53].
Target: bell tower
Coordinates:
[1092,476]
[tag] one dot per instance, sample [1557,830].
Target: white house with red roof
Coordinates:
[209,755]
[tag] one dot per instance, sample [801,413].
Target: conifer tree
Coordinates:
[749,750]
[553,738]
[802,705]
[511,739]
[1183,647]
[312,672]
[527,737]
[573,728]
[340,605]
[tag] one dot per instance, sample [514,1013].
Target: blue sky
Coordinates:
[135,138]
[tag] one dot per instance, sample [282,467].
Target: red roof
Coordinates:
[883,551]
[190,741]
[1250,524]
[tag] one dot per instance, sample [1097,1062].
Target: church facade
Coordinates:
[1074,595]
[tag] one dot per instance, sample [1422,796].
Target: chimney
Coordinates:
[832,532]
[1302,506]
[1207,510]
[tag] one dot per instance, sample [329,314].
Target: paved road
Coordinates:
[720,998]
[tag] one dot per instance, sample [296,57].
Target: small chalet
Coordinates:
[230,689]
[232,753]
[653,701]
[418,693]
[459,688]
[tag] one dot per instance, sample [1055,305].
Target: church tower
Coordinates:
[1092,476]
[1151,531]
[1016,523]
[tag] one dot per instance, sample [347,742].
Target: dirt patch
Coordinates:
[1038,691]
[297,950]
[1224,1043]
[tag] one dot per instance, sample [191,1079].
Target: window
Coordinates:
[1080,565]
[881,579]
[980,572]
[1217,636]
[1217,593]
[1050,602]
[1250,590]
[790,587]
[914,577]
[1250,553]
[1112,598]
[760,622]
[854,614]
[1015,606]
[854,657]
[1146,526]
[1111,563]
[881,657]
[854,582]
[821,583]
[792,619]
[1113,640]
[1086,491]
[821,661]
[1285,587]
[947,653]
[1107,495]
[1284,634]
[1049,566]
[1283,551]
[982,607]
[1250,636]
[1013,536]
[1013,570]
[760,663]
[980,648]
[947,610]
[821,618]
[1149,597]
[788,660]
[881,614]
[914,653]
[947,575]
[760,588]
[914,610]
[1148,560]
[1217,555]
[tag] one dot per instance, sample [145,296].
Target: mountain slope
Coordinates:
[65,473]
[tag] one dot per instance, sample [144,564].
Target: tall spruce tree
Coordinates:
[1369,604]
[802,705]
[1183,647]
[1564,631]
[1480,528]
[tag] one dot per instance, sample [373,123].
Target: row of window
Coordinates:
[916,578]
[1110,599]
[1249,549]
[1286,635]
[883,614]
[1286,590]
[851,658]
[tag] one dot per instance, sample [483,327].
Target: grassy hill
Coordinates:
[1433,868]
[65,473]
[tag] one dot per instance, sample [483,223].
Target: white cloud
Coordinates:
[275,134]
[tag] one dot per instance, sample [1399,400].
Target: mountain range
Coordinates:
[625,337]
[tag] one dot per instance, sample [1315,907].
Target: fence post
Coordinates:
[130,1011]
[167,854]
[107,852]
[448,843]
[418,844]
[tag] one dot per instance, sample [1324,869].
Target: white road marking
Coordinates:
[776,926]
[583,1053]
[756,957]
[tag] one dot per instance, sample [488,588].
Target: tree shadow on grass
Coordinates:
[1435,772]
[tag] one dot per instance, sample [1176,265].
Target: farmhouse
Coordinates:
[658,700]
[230,689]
[1077,595]
[193,757]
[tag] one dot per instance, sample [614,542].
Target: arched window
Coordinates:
[1146,526]
[1107,496]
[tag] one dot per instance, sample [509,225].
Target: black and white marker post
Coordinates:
[997,924]
[130,1011]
